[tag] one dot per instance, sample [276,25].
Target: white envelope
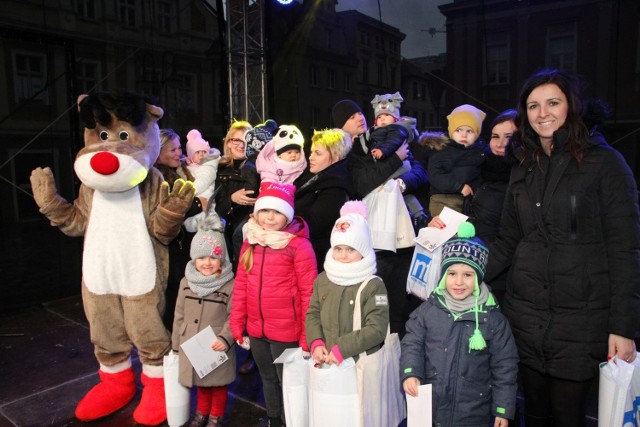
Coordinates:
[199,352]
[431,237]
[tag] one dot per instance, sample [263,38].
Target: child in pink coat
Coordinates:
[273,286]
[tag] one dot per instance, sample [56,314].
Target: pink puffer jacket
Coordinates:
[271,300]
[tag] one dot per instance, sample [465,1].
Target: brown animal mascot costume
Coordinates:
[127,215]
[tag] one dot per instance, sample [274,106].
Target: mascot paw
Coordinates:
[179,198]
[43,186]
[152,409]
[112,393]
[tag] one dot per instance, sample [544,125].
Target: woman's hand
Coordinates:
[403,151]
[625,348]
[411,385]
[241,197]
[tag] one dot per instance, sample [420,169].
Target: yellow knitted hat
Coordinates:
[466,115]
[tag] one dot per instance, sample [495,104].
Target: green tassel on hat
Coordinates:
[477,342]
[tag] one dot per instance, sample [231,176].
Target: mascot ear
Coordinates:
[80,98]
[155,112]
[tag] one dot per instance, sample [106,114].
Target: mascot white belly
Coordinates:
[118,254]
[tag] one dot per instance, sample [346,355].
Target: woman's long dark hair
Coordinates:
[574,124]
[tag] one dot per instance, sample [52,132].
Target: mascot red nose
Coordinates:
[127,215]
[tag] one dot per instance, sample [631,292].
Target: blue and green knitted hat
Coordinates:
[465,249]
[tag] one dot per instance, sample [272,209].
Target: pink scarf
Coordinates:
[274,239]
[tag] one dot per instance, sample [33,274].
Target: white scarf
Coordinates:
[348,274]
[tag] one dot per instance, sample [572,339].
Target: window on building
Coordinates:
[561,46]
[497,58]
[331,79]
[186,100]
[313,76]
[327,39]
[88,76]
[315,118]
[423,93]
[414,90]
[365,71]
[26,159]
[637,73]
[380,73]
[368,39]
[86,9]
[347,82]
[377,41]
[392,76]
[165,16]
[30,76]
[127,12]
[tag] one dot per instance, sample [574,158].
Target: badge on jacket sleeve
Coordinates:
[381,300]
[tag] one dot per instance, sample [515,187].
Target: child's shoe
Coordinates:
[214,421]
[198,420]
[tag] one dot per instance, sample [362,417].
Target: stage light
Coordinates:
[285,2]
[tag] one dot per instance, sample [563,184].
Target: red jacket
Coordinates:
[271,300]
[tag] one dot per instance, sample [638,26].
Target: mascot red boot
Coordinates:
[127,215]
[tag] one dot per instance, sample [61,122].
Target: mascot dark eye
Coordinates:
[104,135]
[283,134]
[124,135]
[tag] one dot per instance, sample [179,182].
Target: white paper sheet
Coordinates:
[199,352]
[431,237]
[288,355]
[419,410]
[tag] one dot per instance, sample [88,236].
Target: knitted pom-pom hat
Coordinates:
[278,197]
[195,143]
[466,249]
[258,137]
[352,229]
[209,239]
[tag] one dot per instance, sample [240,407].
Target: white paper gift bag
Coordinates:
[176,395]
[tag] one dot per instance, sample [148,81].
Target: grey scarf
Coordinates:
[205,285]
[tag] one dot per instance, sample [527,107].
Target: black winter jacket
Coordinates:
[489,196]
[368,173]
[454,166]
[318,200]
[571,234]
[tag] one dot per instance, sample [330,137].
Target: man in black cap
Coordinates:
[366,175]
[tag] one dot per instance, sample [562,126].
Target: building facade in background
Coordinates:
[494,45]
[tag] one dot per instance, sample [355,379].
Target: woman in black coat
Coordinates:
[570,232]
[236,187]
[323,188]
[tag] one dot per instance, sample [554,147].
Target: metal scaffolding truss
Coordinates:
[246,60]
